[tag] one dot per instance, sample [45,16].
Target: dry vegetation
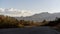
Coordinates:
[10,22]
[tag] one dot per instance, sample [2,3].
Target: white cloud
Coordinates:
[15,12]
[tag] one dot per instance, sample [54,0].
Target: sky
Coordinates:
[33,5]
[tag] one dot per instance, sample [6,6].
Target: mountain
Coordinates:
[40,17]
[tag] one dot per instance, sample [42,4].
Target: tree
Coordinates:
[44,21]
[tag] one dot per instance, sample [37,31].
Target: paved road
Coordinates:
[33,30]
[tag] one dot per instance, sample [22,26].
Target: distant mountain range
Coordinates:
[40,17]
[28,15]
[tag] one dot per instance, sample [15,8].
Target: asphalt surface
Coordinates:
[33,30]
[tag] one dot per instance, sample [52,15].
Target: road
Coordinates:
[33,30]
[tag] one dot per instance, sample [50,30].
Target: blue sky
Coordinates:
[38,5]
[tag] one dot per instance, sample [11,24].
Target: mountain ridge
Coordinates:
[40,17]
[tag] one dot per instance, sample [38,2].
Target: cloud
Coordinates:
[15,12]
[18,13]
